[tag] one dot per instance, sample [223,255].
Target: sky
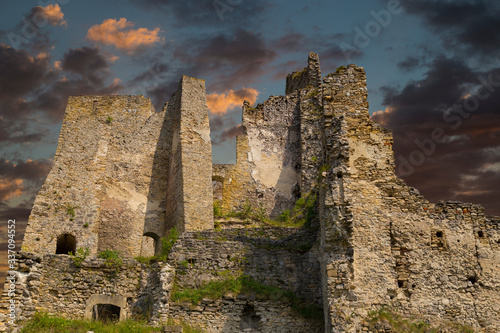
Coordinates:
[433,75]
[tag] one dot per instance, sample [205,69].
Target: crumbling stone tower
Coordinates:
[124,175]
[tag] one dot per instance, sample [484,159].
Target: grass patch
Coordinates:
[218,209]
[398,324]
[167,243]
[297,75]
[113,259]
[302,214]
[245,285]
[80,255]
[70,210]
[186,328]
[45,323]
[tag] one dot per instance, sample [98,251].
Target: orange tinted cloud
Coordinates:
[122,36]
[219,104]
[54,14]
[10,188]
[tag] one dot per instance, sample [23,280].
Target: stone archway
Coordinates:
[106,302]
[150,244]
[66,243]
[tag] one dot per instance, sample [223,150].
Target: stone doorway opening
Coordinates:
[106,313]
[66,243]
[106,308]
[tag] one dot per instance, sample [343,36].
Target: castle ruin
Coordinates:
[125,175]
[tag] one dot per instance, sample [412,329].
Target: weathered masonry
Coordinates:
[124,176]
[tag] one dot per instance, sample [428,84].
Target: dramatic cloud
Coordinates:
[51,14]
[10,188]
[446,130]
[86,72]
[474,25]
[21,73]
[219,104]
[88,62]
[233,59]
[121,35]
[230,133]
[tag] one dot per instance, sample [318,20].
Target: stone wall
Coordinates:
[189,196]
[97,190]
[271,256]
[123,175]
[383,243]
[279,152]
[53,283]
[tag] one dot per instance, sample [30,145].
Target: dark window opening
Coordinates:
[413,286]
[191,261]
[106,313]
[439,234]
[400,283]
[480,233]
[249,318]
[66,243]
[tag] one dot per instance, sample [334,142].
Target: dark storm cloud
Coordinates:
[474,25]
[234,58]
[207,12]
[21,73]
[465,162]
[28,170]
[158,82]
[410,63]
[88,62]
[19,213]
[86,71]
[228,134]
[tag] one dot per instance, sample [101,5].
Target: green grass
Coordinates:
[70,210]
[167,243]
[186,328]
[113,259]
[80,255]
[302,214]
[44,323]
[398,324]
[218,209]
[245,285]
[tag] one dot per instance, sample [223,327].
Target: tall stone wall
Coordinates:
[383,243]
[98,187]
[279,152]
[189,196]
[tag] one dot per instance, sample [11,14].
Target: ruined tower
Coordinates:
[123,175]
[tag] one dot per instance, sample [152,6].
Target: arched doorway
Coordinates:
[150,244]
[66,243]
